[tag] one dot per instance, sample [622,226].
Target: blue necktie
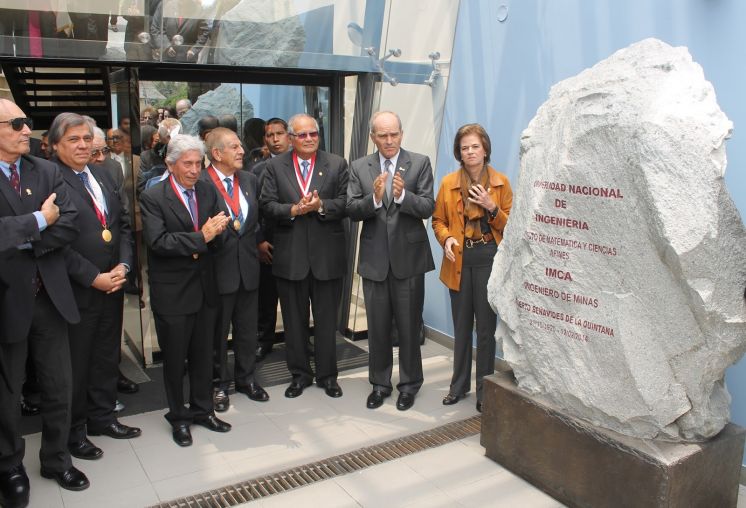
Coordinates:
[229,188]
[305,170]
[192,205]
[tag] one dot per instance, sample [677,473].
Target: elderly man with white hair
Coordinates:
[183,225]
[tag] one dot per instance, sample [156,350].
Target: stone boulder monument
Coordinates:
[620,279]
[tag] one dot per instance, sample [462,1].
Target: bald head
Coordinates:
[13,143]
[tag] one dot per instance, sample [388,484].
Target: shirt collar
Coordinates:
[394,159]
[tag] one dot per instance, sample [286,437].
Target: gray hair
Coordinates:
[379,113]
[60,126]
[216,139]
[99,133]
[165,127]
[298,117]
[181,143]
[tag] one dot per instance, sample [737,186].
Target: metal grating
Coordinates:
[293,478]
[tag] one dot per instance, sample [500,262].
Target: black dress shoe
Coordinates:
[375,399]
[125,385]
[72,479]
[181,435]
[262,352]
[254,392]
[85,450]
[479,407]
[221,401]
[405,401]
[117,431]
[14,487]
[29,409]
[331,388]
[451,399]
[294,390]
[212,423]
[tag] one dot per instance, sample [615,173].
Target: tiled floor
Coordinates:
[284,433]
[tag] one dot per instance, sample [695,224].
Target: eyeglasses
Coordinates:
[114,138]
[18,123]
[99,151]
[304,135]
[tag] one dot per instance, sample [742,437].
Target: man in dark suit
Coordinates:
[391,191]
[182,223]
[304,192]
[35,307]
[277,141]
[104,255]
[237,265]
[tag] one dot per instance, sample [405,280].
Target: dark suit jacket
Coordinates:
[266,224]
[179,282]
[101,256]
[238,254]
[312,241]
[39,178]
[393,235]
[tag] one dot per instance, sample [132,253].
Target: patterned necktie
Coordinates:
[15,179]
[229,188]
[191,203]
[87,183]
[390,180]
[305,170]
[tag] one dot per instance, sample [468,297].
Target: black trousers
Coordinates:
[400,301]
[467,305]
[94,353]
[187,337]
[239,309]
[267,320]
[48,348]
[324,296]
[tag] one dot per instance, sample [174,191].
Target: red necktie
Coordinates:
[15,179]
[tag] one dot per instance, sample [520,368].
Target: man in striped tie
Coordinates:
[237,266]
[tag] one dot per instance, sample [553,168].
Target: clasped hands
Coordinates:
[311,202]
[214,226]
[111,282]
[379,186]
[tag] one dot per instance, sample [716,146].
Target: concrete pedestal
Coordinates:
[586,466]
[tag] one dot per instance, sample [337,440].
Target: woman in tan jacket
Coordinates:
[471,212]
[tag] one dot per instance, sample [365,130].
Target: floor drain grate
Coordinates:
[293,478]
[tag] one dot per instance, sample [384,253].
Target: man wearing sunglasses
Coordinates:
[35,308]
[304,192]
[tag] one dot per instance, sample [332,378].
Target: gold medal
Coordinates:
[106,235]
[236,224]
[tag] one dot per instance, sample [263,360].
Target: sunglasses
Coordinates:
[304,135]
[96,153]
[18,123]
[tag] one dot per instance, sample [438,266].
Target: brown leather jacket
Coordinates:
[448,219]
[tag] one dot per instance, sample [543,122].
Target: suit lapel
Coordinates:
[248,194]
[177,206]
[73,180]
[29,184]
[289,171]
[106,192]
[320,170]
[14,200]
[403,164]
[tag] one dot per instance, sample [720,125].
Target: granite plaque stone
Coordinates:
[620,278]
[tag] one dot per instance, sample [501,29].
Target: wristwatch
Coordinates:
[493,213]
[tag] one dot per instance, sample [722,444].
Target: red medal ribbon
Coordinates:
[303,184]
[234,202]
[195,220]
